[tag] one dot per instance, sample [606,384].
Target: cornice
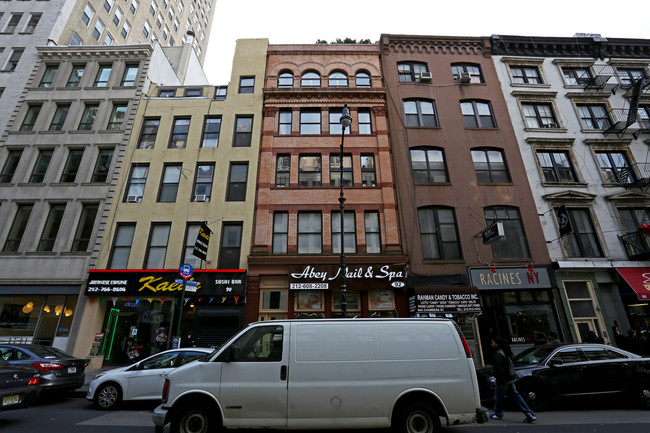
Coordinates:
[323,93]
[94,51]
[596,47]
[556,142]
[410,44]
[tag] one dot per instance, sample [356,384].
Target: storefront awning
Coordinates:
[444,299]
[639,281]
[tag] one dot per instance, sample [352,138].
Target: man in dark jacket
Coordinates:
[504,374]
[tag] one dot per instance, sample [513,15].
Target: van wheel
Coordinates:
[417,418]
[194,417]
[108,396]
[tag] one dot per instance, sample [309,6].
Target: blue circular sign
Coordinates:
[186,270]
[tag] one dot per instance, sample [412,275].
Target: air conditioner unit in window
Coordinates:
[201,197]
[425,77]
[464,78]
[550,125]
[133,199]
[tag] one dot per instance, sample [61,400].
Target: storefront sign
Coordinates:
[202,241]
[143,283]
[510,278]
[444,299]
[358,277]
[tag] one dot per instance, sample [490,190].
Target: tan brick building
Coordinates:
[295,258]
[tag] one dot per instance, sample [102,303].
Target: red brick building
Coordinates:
[295,258]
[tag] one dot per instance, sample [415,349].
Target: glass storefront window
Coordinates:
[19,315]
[352,300]
[526,320]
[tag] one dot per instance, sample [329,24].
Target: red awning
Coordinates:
[639,281]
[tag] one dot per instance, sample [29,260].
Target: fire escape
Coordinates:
[633,120]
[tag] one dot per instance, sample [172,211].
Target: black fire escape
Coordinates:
[634,119]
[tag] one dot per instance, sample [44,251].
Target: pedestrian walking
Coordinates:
[504,373]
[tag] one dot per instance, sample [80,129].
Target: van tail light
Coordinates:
[165,392]
[468,353]
[46,366]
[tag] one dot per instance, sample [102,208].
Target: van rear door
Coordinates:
[253,390]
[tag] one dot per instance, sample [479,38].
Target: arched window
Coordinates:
[338,79]
[420,112]
[310,79]
[490,165]
[285,79]
[363,79]
[428,165]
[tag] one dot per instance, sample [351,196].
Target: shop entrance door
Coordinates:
[584,327]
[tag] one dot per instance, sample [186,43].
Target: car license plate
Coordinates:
[8,400]
[72,370]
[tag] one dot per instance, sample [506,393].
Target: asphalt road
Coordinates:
[71,413]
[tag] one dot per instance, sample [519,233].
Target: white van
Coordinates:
[328,374]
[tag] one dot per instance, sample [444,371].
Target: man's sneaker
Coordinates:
[530,418]
[495,416]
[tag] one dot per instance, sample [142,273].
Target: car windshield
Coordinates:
[533,355]
[49,352]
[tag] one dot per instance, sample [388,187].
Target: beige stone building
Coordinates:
[191,162]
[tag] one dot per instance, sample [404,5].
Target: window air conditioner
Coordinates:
[201,197]
[464,78]
[550,125]
[425,77]
[133,199]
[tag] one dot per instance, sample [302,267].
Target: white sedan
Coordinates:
[141,381]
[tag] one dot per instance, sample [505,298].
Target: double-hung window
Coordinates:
[514,244]
[462,71]
[556,166]
[230,248]
[284,122]
[373,232]
[310,233]
[18,226]
[9,168]
[191,233]
[310,79]
[337,79]
[594,116]
[582,241]
[246,84]
[477,114]
[203,182]
[411,71]
[121,246]
[615,167]
[285,79]
[362,79]
[309,170]
[280,232]
[211,131]
[157,246]
[51,229]
[243,131]
[282,171]
[169,183]
[349,232]
[576,76]
[439,233]
[87,14]
[75,76]
[428,165]
[85,227]
[490,166]
[101,80]
[180,130]
[310,121]
[137,182]
[237,180]
[539,115]
[48,76]
[117,116]
[148,133]
[60,115]
[130,75]
[88,117]
[335,121]
[525,74]
[335,170]
[420,112]
[628,76]
[102,166]
[30,117]
[368,173]
[72,165]
[40,168]
[364,119]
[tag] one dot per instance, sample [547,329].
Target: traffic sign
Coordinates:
[178,281]
[186,270]
[191,283]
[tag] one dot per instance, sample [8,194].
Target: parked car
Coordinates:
[58,370]
[550,373]
[19,386]
[140,381]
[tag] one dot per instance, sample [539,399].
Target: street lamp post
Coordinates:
[346,120]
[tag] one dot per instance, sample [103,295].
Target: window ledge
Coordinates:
[536,86]
[64,184]
[6,185]
[432,183]
[552,130]
[111,131]
[568,184]
[441,262]
[11,253]
[81,131]
[478,128]
[22,132]
[495,183]
[95,184]
[32,184]
[76,253]
[41,253]
[53,132]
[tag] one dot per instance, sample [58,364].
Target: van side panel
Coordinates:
[334,378]
[350,375]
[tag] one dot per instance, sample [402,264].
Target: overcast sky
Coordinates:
[304,22]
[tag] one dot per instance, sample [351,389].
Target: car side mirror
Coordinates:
[555,362]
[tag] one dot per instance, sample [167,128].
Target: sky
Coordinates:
[304,22]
